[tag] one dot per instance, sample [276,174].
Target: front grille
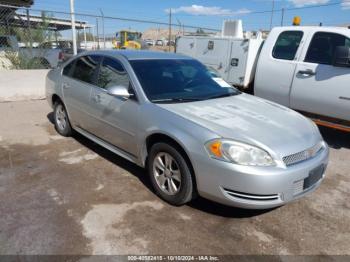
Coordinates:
[252,196]
[303,155]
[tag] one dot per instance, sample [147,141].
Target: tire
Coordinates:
[61,121]
[170,174]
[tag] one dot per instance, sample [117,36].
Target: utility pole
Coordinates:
[103,29]
[272,11]
[169,42]
[282,18]
[74,35]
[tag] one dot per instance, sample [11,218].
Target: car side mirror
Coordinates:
[341,56]
[119,91]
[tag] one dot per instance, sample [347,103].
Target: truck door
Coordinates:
[319,87]
[276,65]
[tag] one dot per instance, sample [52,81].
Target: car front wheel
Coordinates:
[61,120]
[170,174]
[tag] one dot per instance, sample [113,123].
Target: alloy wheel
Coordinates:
[167,173]
[61,117]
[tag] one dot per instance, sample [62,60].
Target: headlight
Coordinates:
[239,153]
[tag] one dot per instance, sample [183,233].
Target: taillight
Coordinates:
[60,56]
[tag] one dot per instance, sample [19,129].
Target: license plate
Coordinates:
[314,176]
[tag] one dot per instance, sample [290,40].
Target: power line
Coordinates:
[115,18]
[296,8]
[88,7]
[275,10]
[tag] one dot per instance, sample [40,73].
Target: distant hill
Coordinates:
[160,33]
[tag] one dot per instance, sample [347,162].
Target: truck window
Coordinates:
[347,42]
[287,45]
[322,47]
[85,68]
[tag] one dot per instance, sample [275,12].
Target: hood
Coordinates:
[252,120]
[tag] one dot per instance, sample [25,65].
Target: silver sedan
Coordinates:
[194,133]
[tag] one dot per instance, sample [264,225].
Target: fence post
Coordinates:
[74,36]
[272,11]
[85,43]
[28,30]
[103,29]
[169,41]
[98,37]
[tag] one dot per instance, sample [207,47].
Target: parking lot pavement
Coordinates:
[69,196]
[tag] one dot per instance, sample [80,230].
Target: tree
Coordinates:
[200,31]
[89,37]
[30,35]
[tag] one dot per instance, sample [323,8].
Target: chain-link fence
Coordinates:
[31,38]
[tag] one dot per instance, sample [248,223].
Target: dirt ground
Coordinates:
[70,196]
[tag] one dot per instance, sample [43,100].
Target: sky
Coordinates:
[256,14]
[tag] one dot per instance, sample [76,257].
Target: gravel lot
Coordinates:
[69,196]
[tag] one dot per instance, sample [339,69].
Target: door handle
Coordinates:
[307,72]
[97,98]
[66,86]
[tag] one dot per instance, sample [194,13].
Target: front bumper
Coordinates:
[258,187]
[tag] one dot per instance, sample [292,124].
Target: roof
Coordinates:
[315,28]
[23,3]
[52,23]
[142,54]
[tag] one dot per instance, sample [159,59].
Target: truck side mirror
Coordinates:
[341,56]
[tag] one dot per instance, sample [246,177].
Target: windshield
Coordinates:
[183,80]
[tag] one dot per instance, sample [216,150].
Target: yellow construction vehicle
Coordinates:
[127,39]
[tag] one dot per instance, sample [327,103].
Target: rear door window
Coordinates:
[86,68]
[322,47]
[287,45]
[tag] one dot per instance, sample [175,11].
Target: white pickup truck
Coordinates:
[45,57]
[304,68]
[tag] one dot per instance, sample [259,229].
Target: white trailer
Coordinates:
[234,59]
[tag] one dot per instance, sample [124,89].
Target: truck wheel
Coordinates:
[170,175]
[62,124]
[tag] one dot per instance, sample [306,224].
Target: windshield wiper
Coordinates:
[176,100]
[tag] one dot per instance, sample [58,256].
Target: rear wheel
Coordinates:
[170,175]
[62,124]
